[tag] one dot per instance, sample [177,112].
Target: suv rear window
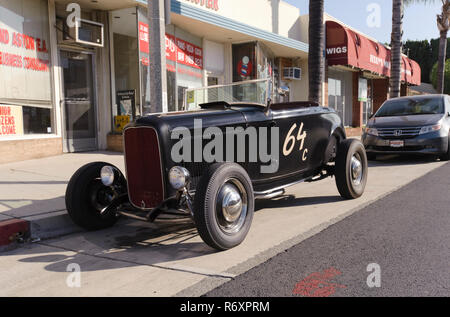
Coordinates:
[411,106]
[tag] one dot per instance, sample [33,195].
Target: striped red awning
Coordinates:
[349,48]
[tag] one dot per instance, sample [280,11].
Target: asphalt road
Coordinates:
[405,235]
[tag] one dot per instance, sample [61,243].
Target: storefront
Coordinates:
[71,89]
[27,111]
[358,71]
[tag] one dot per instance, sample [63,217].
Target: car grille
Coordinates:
[144,170]
[399,133]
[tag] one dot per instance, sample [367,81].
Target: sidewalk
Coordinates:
[32,195]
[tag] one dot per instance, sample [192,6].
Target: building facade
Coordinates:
[72,89]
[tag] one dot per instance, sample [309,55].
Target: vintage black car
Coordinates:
[219,194]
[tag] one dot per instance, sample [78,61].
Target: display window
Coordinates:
[26,103]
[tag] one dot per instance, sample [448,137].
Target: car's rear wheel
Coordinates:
[351,169]
[446,156]
[86,197]
[224,206]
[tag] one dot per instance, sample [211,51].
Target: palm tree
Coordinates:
[316,60]
[443,26]
[397,44]
[396,48]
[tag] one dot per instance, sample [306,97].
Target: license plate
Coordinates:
[397,144]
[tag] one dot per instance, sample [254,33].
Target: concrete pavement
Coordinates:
[34,191]
[168,258]
[405,235]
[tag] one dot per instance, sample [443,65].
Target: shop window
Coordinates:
[184,63]
[36,120]
[126,63]
[26,105]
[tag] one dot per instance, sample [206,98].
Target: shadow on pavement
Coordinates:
[163,243]
[286,201]
[395,160]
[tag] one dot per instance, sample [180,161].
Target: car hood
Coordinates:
[405,121]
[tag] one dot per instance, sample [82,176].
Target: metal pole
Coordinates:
[157,65]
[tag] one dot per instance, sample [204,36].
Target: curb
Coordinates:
[15,232]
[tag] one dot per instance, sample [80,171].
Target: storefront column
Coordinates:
[404,90]
[380,93]
[325,87]
[357,105]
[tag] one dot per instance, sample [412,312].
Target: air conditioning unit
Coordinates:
[292,73]
[84,32]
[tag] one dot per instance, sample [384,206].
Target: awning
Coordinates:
[349,48]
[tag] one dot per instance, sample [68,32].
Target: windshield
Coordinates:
[248,92]
[411,106]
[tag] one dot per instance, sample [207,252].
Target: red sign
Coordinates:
[144,45]
[177,50]
[171,48]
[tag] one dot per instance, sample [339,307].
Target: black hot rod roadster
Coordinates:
[167,173]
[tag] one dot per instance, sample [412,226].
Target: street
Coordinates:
[405,233]
[168,258]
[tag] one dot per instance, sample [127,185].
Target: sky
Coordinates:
[419,22]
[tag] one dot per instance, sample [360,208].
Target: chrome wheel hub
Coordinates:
[231,208]
[356,170]
[231,203]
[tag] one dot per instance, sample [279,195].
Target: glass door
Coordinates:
[79,102]
[336,97]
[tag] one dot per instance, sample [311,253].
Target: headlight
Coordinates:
[179,177]
[107,175]
[430,128]
[372,131]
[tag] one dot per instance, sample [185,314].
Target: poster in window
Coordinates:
[11,120]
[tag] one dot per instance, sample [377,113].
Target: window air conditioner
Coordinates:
[292,73]
[84,32]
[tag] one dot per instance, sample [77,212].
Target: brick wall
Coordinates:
[115,142]
[21,150]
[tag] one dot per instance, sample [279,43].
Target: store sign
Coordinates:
[337,50]
[11,120]
[120,122]
[144,36]
[208,4]
[24,54]
[177,50]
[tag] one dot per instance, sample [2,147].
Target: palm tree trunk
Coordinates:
[396,48]
[316,60]
[441,62]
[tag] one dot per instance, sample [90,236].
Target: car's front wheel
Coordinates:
[446,156]
[351,169]
[87,197]
[224,206]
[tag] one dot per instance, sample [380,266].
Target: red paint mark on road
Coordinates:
[319,284]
